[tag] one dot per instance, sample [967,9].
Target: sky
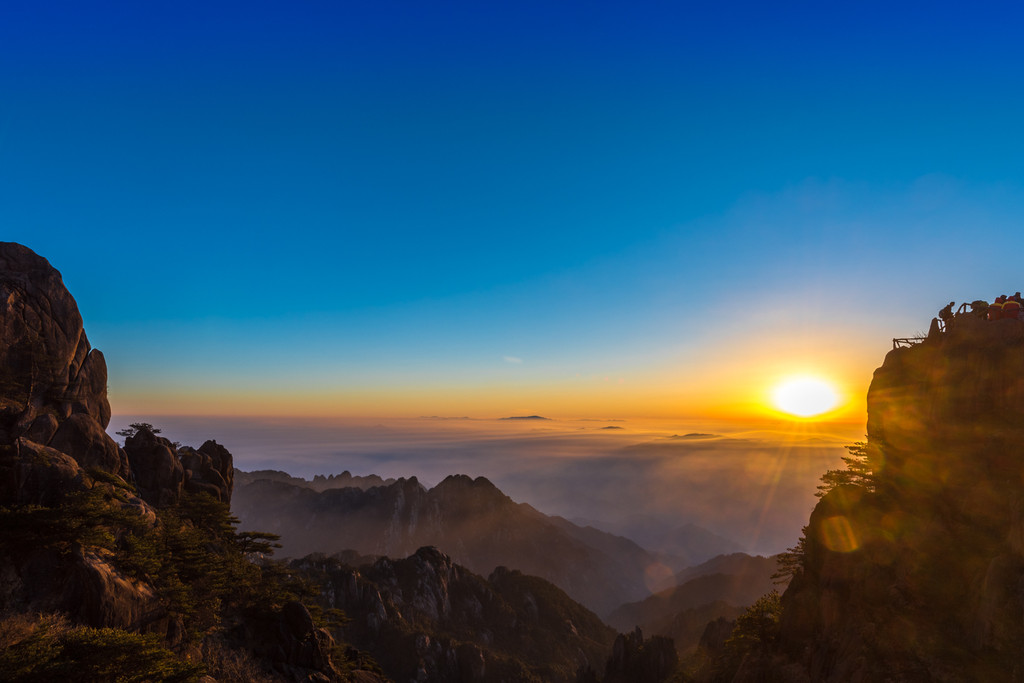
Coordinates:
[594,209]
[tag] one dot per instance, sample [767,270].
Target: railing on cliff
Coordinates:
[906,342]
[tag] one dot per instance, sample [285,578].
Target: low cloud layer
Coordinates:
[753,487]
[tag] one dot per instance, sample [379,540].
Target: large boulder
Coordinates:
[99,594]
[221,462]
[53,385]
[83,439]
[42,428]
[31,474]
[80,583]
[46,363]
[290,640]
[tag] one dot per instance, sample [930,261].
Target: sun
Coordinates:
[805,396]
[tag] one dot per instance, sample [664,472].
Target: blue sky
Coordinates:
[417,208]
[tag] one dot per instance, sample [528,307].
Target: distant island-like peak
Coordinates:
[525,417]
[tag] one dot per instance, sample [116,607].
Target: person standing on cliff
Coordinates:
[946,314]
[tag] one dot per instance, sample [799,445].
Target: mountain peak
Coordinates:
[917,547]
[462,481]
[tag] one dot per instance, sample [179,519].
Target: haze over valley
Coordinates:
[751,484]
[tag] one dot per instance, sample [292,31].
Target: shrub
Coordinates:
[47,648]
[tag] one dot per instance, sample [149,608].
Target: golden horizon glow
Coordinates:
[805,397]
[731,379]
[742,396]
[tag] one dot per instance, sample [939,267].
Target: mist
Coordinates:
[751,484]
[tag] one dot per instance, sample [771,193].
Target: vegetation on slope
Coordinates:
[211,582]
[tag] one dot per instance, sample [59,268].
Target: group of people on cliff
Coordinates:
[1003,308]
[1006,307]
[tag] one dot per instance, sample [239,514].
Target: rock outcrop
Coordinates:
[209,469]
[635,660]
[915,573]
[159,474]
[289,639]
[53,384]
[163,471]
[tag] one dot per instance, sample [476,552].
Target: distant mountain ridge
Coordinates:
[682,545]
[318,483]
[469,519]
[720,587]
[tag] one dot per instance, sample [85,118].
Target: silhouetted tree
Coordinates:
[858,472]
[791,561]
[136,427]
[750,644]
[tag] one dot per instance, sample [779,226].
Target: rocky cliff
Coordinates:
[119,550]
[911,568]
[425,618]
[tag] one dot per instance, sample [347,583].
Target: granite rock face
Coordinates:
[48,365]
[53,384]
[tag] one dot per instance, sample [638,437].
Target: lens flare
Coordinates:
[838,534]
[805,397]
